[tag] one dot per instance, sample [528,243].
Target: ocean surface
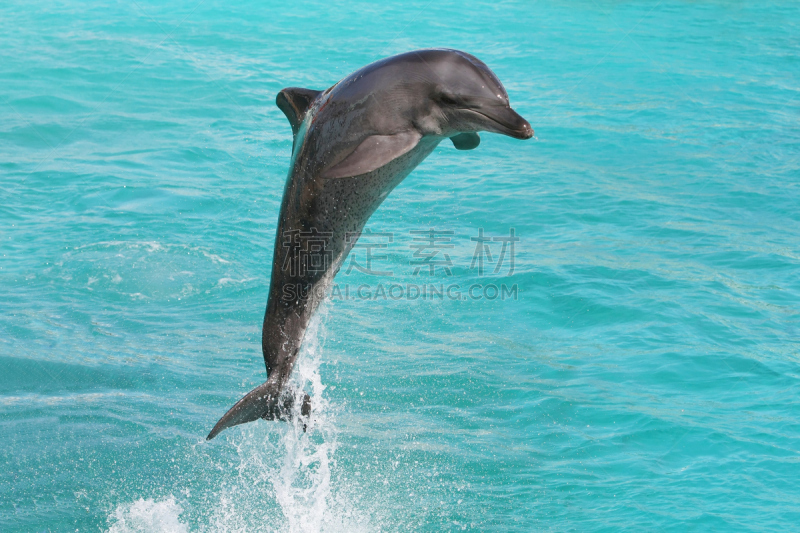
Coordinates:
[632,364]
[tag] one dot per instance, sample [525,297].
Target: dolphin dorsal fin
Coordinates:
[294,102]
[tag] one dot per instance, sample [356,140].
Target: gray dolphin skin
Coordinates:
[353,144]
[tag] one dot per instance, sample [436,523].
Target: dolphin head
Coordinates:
[438,92]
[464,95]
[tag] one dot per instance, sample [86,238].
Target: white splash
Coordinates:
[303,485]
[148,516]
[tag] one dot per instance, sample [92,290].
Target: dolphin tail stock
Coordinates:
[266,401]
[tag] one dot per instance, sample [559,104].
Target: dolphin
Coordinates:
[352,144]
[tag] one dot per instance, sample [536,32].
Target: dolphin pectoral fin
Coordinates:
[466,141]
[374,152]
[258,403]
[294,102]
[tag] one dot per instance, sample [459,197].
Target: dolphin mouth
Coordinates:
[504,120]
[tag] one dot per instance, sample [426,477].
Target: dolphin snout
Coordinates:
[503,119]
[526,132]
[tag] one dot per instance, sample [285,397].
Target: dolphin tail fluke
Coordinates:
[255,404]
[266,401]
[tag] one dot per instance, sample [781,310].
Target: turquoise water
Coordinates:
[646,377]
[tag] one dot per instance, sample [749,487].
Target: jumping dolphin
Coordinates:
[353,144]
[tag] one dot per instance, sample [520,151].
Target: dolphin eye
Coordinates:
[446,99]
